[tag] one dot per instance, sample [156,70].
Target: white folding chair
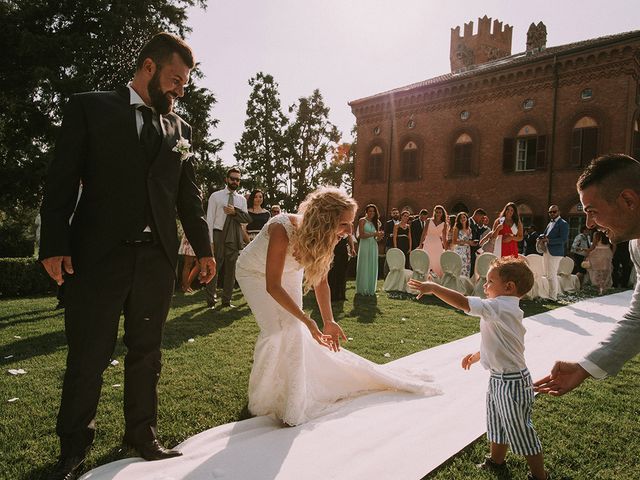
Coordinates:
[568,282]
[451,264]
[483,262]
[540,283]
[419,261]
[398,276]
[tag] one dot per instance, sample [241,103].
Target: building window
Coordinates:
[584,142]
[410,161]
[526,152]
[586,94]
[635,152]
[462,152]
[374,172]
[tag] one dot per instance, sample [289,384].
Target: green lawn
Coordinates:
[592,433]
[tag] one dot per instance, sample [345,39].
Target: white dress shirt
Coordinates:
[501,333]
[215,213]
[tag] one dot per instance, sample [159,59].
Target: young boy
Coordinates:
[510,394]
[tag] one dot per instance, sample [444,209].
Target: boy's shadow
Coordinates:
[365,308]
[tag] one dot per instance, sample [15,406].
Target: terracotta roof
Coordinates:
[512,60]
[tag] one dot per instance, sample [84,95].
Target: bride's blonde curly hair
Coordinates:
[316,236]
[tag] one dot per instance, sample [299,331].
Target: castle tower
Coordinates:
[469,49]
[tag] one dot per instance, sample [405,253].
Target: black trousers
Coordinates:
[136,280]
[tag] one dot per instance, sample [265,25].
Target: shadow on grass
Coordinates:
[365,308]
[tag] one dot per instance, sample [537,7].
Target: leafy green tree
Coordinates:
[52,49]
[311,140]
[262,148]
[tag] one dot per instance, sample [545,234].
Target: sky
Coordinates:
[350,49]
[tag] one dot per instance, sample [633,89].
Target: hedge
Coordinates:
[23,276]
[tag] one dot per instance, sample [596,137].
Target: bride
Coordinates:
[300,372]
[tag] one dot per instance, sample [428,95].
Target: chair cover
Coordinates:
[398,276]
[419,260]
[540,284]
[482,267]
[451,264]
[568,282]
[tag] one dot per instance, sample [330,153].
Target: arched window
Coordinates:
[374,170]
[459,207]
[409,161]
[462,154]
[525,213]
[577,220]
[635,152]
[584,141]
[529,148]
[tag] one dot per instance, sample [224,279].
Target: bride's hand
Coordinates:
[335,333]
[318,336]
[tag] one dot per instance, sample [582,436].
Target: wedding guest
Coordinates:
[507,231]
[300,372]
[275,210]
[579,249]
[510,396]
[417,228]
[461,241]
[190,266]
[600,266]
[487,242]
[337,278]
[402,236]
[621,265]
[259,216]
[367,263]
[554,238]
[609,190]
[389,226]
[530,237]
[478,229]
[434,238]
[451,221]
[119,255]
[226,212]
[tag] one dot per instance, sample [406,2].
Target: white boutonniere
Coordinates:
[183,147]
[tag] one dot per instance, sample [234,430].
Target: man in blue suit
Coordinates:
[555,238]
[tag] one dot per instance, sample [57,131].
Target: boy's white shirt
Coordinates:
[501,333]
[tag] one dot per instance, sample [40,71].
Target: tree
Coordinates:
[311,139]
[339,173]
[261,150]
[53,49]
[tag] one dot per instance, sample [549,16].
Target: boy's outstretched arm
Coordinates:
[453,298]
[470,359]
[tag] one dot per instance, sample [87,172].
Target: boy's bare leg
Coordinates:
[499,452]
[536,465]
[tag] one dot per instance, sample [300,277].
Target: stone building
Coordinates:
[500,127]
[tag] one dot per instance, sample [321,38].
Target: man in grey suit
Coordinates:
[609,189]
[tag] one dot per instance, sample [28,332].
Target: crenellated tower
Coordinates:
[486,45]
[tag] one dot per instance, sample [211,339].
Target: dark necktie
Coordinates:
[149,137]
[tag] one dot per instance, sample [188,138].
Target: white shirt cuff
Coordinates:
[475,306]
[593,370]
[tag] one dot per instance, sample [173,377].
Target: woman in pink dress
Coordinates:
[508,231]
[599,257]
[434,238]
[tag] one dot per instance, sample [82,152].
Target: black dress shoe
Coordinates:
[227,305]
[68,468]
[153,450]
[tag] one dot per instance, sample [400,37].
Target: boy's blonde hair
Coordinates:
[516,270]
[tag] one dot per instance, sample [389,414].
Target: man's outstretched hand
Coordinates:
[564,377]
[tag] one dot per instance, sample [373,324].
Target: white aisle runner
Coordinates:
[381,436]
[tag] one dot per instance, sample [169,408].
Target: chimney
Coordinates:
[490,43]
[536,37]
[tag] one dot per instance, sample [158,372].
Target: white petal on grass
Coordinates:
[387,354]
[350,338]
[14,399]
[115,362]
[17,336]
[8,357]
[191,340]
[116,385]
[17,371]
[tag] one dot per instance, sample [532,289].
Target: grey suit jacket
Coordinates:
[624,342]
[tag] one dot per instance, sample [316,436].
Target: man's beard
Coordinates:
[232,186]
[159,100]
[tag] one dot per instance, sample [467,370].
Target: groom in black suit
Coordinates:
[133,156]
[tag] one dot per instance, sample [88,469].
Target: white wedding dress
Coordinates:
[293,377]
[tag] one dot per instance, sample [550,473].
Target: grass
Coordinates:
[592,433]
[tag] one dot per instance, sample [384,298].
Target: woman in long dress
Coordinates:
[300,372]
[507,231]
[434,238]
[367,264]
[461,241]
[600,265]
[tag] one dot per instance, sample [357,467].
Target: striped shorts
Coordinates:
[509,406]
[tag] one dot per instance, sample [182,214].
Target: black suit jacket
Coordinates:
[416,232]
[98,144]
[388,233]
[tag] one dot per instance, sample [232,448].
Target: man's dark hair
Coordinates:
[233,170]
[424,211]
[478,211]
[613,172]
[161,48]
